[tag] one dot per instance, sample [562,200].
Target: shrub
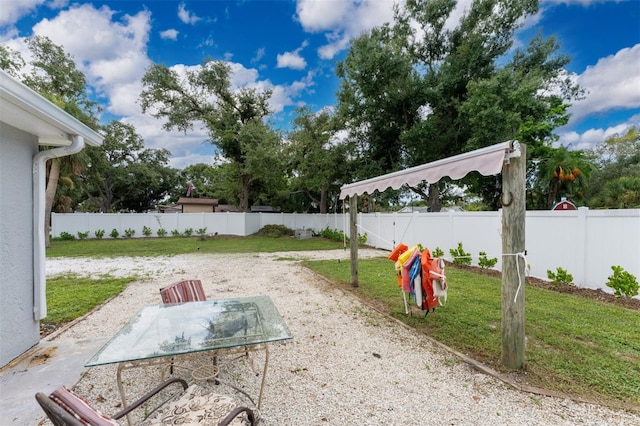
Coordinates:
[188,232]
[146,231]
[99,233]
[114,233]
[624,283]
[275,231]
[202,231]
[437,252]
[83,235]
[485,263]
[460,257]
[336,235]
[362,238]
[129,233]
[175,233]
[561,276]
[332,234]
[162,232]
[66,236]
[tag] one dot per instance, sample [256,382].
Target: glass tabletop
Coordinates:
[167,330]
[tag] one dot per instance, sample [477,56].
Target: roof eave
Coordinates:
[24,109]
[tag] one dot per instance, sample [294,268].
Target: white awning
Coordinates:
[487,161]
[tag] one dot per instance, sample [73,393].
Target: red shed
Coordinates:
[564,204]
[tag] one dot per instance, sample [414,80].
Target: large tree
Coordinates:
[234,118]
[473,89]
[318,161]
[379,100]
[123,175]
[615,183]
[205,178]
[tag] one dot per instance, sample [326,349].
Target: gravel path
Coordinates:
[346,365]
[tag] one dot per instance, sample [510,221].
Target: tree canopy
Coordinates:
[124,175]
[318,160]
[234,118]
[419,90]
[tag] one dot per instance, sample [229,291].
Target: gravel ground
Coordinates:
[347,364]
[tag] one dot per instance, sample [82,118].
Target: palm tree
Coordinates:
[60,170]
[561,173]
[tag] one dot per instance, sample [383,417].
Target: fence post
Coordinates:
[353,238]
[513,242]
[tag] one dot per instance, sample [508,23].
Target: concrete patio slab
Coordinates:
[43,368]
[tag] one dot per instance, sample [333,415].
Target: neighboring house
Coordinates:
[564,204]
[197,205]
[27,121]
[170,208]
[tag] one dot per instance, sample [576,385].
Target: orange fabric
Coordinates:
[400,248]
[429,301]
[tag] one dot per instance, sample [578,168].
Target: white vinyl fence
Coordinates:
[584,242]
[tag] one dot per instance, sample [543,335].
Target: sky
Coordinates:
[291,47]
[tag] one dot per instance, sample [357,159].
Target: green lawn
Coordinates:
[574,345]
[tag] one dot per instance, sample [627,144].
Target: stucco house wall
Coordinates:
[18,327]
[27,121]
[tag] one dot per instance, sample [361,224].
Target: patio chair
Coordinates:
[192,291]
[183,291]
[194,405]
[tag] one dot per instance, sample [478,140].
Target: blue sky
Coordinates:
[291,46]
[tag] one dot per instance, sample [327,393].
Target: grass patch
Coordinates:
[71,296]
[185,245]
[575,345]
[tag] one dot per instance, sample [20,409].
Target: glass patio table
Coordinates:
[160,331]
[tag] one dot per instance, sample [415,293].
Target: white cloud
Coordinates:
[259,55]
[320,15]
[613,83]
[111,54]
[186,16]
[169,34]
[570,2]
[293,59]
[183,146]
[590,138]
[342,20]
[123,99]
[12,10]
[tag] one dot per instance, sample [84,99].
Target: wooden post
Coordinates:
[513,267]
[353,235]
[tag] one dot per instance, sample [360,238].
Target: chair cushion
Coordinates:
[171,294]
[80,408]
[192,290]
[183,291]
[196,405]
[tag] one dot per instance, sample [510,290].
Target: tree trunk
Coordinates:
[323,199]
[244,192]
[50,194]
[434,197]
[353,238]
